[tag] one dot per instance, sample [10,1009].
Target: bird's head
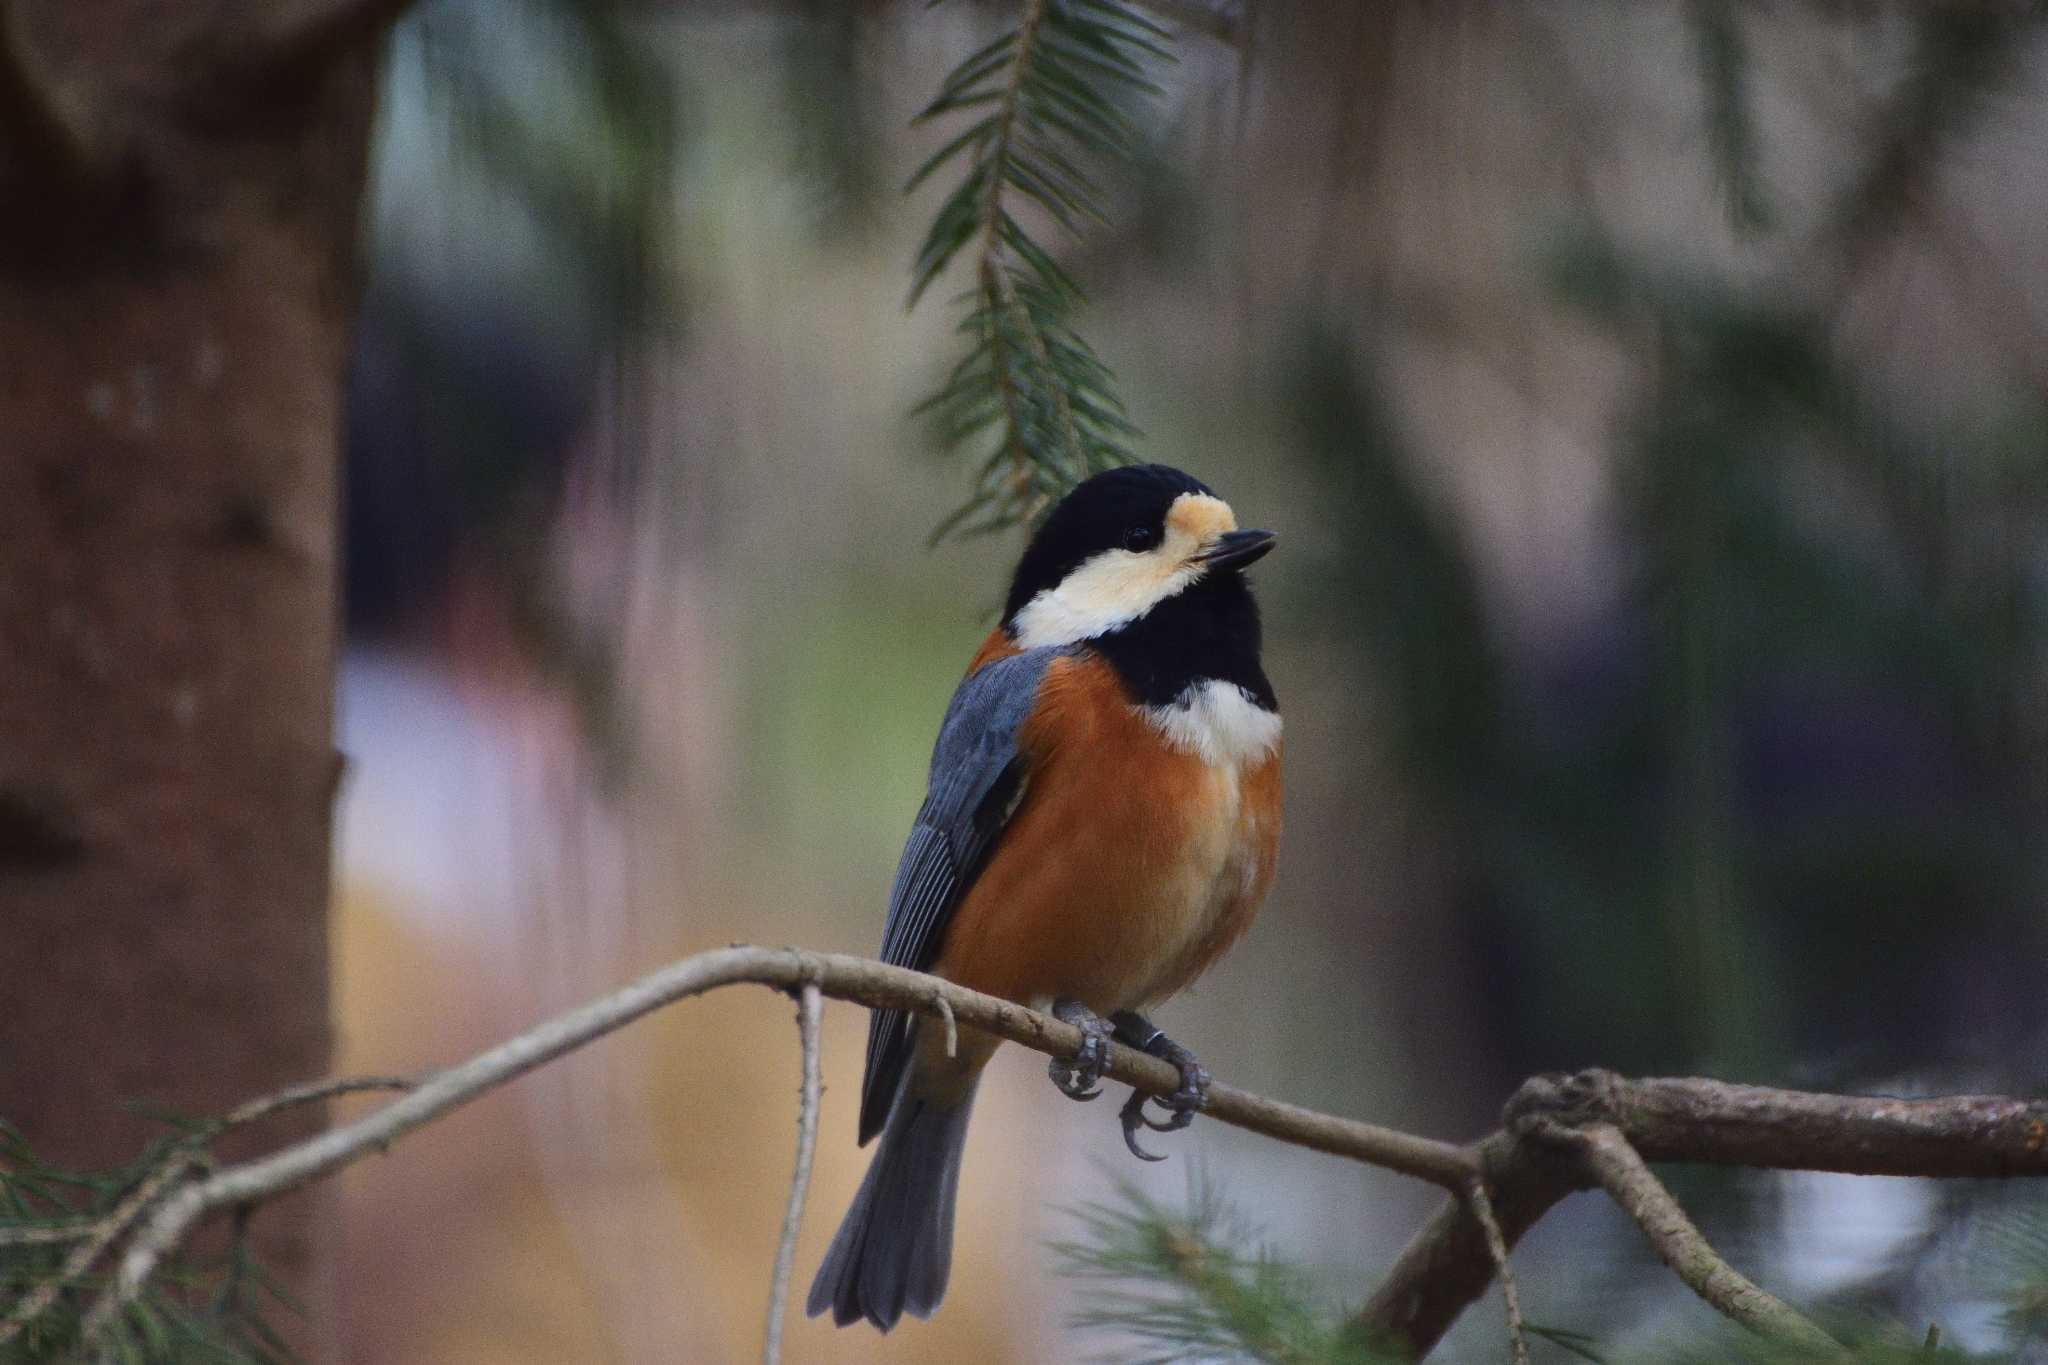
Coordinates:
[1116,547]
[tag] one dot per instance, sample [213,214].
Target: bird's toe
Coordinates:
[1079,1076]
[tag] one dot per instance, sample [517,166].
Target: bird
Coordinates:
[1101,823]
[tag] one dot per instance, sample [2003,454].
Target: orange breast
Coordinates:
[1129,865]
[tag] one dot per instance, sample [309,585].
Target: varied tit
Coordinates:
[1100,825]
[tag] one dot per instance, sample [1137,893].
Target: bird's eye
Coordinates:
[1140,538]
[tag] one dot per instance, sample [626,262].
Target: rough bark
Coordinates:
[176,251]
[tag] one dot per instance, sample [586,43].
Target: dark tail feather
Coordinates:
[894,1250]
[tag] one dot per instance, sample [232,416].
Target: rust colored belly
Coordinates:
[1129,866]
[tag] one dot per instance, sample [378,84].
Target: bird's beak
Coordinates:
[1236,549]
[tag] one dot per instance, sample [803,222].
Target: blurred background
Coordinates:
[1653,402]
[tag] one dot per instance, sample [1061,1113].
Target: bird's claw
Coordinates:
[1133,1117]
[1181,1106]
[1079,1076]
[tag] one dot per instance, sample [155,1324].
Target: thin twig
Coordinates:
[1628,1180]
[810,1013]
[178,1163]
[80,1228]
[49,1234]
[312,1093]
[952,1026]
[1447,1265]
[1496,1245]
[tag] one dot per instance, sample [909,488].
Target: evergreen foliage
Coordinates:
[1164,1285]
[200,1310]
[1031,398]
[1175,1287]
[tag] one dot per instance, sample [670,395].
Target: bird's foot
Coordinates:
[1135,1030]
[1079,1077]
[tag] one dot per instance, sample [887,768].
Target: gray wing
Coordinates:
[976,777]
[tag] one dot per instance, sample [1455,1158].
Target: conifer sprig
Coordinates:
[56,1227]
[1175,1284]
[1031,397]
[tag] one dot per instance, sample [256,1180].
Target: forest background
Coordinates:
[1650,398]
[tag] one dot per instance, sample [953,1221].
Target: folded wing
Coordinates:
[977,778]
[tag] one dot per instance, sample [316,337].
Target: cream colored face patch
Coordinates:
[1116,587]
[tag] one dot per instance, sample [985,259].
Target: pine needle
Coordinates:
[1172,1285]
[1031,404]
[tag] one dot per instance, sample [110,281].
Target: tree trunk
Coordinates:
[177,242]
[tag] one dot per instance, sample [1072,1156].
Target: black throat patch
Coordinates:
[1208,630]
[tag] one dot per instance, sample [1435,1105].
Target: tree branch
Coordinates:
[810,1013]
[1537,1157]
[1448,1263]
[1481,1205]
[1679,1244]
[315,1093]
[846,978]
[1721,1124]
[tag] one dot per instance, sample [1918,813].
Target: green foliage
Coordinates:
[1723,56]
[833,114]
[1195,1285]
[1961,57]
[562,117]
[1031,398]
[564,109]
[1748,585]
[214,1311]
[1406,576]
[1177,1284]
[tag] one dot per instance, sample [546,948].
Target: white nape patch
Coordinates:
[1116,587]
[1218,721]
